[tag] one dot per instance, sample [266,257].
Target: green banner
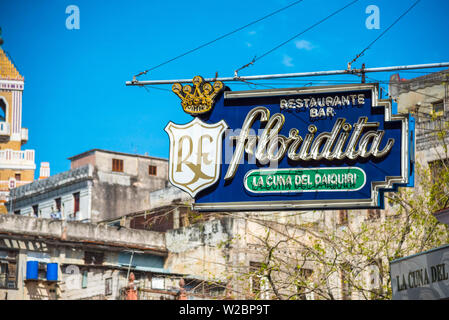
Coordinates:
[305,180]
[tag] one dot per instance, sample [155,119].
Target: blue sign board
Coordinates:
[333,147]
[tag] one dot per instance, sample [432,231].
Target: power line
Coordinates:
[385,31]
[293,75]
[265,85]
[304,31]
[221,37]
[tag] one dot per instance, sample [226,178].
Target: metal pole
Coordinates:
[135,82]
[129,266]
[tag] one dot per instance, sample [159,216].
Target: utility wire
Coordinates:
[221,37]
[385,31]
[304,31]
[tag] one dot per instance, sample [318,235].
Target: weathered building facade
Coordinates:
[427,98]
[93,262]
[100,185]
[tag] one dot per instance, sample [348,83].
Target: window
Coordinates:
[8,269]
[152,170]
[108,287]
[76,203]
[345,282]
[374,278]
[95,258]
[342,217]
[84,279]
[42,270]
[117,165]
[438,108]
[36,210]
[17,176]
[373,214]
[2,109]
[58,204]
[157,283]
[258,283]
[436,167]
[304,277]
[254,268]
[439,189]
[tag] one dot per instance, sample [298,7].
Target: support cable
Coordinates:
[384,32]
[293,75]
[295,36]
[219,38]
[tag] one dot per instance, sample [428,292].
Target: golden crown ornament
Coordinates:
[198,99]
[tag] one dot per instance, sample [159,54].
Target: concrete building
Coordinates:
[225,248]
[213,253]
[16,165]
[92,261]
[100,185]
[427,98]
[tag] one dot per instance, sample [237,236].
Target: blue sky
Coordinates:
[75,96]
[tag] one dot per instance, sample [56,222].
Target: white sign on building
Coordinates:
[424,276]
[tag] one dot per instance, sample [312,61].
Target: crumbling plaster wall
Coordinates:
[421,97]
[115,194]
[46,241]
[200,250]
[81,232]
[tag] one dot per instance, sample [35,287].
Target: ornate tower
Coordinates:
[16,166]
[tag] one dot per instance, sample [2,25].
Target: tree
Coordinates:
[321,259]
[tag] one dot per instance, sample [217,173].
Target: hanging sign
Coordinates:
[333,147]
[423,276]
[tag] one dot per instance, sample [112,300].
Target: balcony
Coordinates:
[4,128]
[24,135]
[430,133]
[19,160]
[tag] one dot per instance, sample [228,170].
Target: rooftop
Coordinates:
[7,69]
[89,152]
[427,80]
[52,182]
[78,233]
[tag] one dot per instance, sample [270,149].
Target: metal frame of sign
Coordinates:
[377,188]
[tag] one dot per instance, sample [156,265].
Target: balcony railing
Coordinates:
[17,159]
[5,184]
[4,128]
[431,133]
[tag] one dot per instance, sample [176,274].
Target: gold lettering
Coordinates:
[180,151]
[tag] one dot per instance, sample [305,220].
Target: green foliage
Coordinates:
[357,256]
